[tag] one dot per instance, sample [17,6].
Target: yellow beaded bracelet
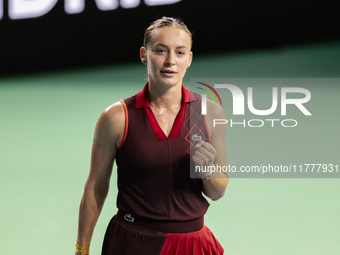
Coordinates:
[82,250]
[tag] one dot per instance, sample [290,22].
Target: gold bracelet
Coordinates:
[82,250]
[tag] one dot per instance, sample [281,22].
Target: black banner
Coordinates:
[45,34]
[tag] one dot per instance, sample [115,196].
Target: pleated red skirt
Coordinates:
[122,238]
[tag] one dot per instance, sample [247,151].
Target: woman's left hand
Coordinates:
[204,156]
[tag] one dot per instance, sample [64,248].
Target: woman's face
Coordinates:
[167,56]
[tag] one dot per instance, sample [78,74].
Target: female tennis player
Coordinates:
[160,208]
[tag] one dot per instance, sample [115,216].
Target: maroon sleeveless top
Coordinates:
[154,170]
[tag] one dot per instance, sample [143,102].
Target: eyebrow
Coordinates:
[165,46]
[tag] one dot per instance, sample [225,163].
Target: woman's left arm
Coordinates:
[213,154]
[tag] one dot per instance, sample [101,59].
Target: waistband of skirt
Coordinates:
[167,226]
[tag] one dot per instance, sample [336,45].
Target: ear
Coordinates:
[190,59]
[142,55]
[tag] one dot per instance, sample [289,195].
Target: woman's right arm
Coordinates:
[107,137]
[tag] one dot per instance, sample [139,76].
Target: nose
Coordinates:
[170,59]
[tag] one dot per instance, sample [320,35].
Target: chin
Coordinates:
[164,82]
[171,83]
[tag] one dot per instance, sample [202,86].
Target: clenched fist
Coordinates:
[204,157]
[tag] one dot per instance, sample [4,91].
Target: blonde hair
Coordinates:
[164,22]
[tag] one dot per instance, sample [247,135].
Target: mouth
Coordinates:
[168,73]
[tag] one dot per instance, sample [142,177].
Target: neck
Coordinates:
[164,97]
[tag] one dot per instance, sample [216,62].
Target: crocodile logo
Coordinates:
[195,137]
[128,217]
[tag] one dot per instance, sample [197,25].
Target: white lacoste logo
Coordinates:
[128,217]
[195,137]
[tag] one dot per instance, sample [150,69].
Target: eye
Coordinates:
[160,51]
[181,53]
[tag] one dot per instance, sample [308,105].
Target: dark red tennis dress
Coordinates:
[161,209]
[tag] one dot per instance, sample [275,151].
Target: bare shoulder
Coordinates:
[215,111]
[114,113]
[111,124]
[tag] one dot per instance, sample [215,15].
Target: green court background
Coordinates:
[47,124]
